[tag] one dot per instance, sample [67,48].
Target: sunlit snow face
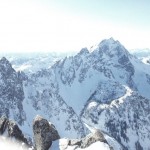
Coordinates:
[6,144]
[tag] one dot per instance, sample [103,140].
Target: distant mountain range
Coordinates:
[143,54]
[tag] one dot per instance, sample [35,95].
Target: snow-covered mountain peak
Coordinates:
[109,48]
[83,51]
[112,48]
[108,41]
[3,59]
[6,70]
[5,64]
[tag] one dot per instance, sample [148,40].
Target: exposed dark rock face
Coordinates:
[138,146]
[44,133]
[11,130]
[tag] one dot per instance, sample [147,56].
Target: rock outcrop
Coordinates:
[10,129]
[88,140]
[44,133]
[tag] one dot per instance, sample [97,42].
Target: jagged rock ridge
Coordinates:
[10,130]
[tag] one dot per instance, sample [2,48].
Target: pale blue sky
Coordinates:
[67,25]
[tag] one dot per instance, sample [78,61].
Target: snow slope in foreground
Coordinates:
[6,144]
[60,145]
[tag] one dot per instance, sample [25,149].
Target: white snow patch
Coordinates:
[22,67]
[9,144]
[92,104]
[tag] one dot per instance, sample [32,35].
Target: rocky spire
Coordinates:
[44,133]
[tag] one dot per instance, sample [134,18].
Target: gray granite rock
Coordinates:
[44,133]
